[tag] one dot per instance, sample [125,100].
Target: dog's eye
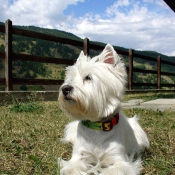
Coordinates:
[87,78]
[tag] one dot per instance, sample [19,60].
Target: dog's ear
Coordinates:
[109,55]
[82,57]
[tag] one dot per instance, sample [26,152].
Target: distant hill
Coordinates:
[23,69]
[156,54]
[54,32]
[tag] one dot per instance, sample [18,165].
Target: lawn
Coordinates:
[30,139]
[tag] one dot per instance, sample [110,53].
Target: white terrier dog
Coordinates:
[104,140]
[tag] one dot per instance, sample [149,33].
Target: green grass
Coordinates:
[160,127]
[29,106]
[30,140]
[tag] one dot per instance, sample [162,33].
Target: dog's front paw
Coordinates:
[70,171]
[70,167]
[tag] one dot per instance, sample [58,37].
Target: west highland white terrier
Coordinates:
[104,140]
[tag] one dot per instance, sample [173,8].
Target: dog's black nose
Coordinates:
[66,89]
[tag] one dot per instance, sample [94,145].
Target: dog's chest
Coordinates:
[94,138]
[96,148]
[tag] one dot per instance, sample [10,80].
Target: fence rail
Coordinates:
[9,56]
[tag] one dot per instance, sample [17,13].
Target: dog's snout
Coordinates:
[67,89]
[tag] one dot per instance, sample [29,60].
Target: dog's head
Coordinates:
[93,88]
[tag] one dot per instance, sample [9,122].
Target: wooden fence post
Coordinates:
[159,72]
[86,46]
[8,56]
[130,77]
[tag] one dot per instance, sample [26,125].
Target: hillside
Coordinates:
[23,69]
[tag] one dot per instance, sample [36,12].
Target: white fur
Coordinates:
[98,85]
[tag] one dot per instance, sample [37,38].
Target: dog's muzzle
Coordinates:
[67,90]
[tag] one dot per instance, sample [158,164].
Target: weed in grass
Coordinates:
[29,106]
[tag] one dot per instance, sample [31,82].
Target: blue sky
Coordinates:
[100,6]
[137,24]
[93,6]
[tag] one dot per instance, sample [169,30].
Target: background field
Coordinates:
[30,138]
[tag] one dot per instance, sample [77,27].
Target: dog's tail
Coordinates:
[139,133]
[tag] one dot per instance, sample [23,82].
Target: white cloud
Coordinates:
[136,27]
[158,2]
[3,8]
[144,25]
[41,12]
[114,8]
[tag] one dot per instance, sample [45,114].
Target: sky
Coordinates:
[137,24]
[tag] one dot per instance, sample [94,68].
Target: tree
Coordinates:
[2,47]
[24,88]
[27,74]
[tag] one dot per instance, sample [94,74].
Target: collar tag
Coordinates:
[107,126]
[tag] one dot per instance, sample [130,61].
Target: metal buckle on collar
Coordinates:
[107,126]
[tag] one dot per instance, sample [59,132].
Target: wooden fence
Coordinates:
[9,56]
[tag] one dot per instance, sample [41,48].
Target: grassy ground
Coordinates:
[30,139]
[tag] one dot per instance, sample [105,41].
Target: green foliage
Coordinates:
[136,78]
[2,88]
[26,66]
[29,106]
[2,48]
[1,65]
[36,88]
[151,78]
[40,48]
[24,88]
[32,88]
[163,81]
[142,66]
[62,74]
[22,107]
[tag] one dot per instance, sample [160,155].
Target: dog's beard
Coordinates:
[74,106]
